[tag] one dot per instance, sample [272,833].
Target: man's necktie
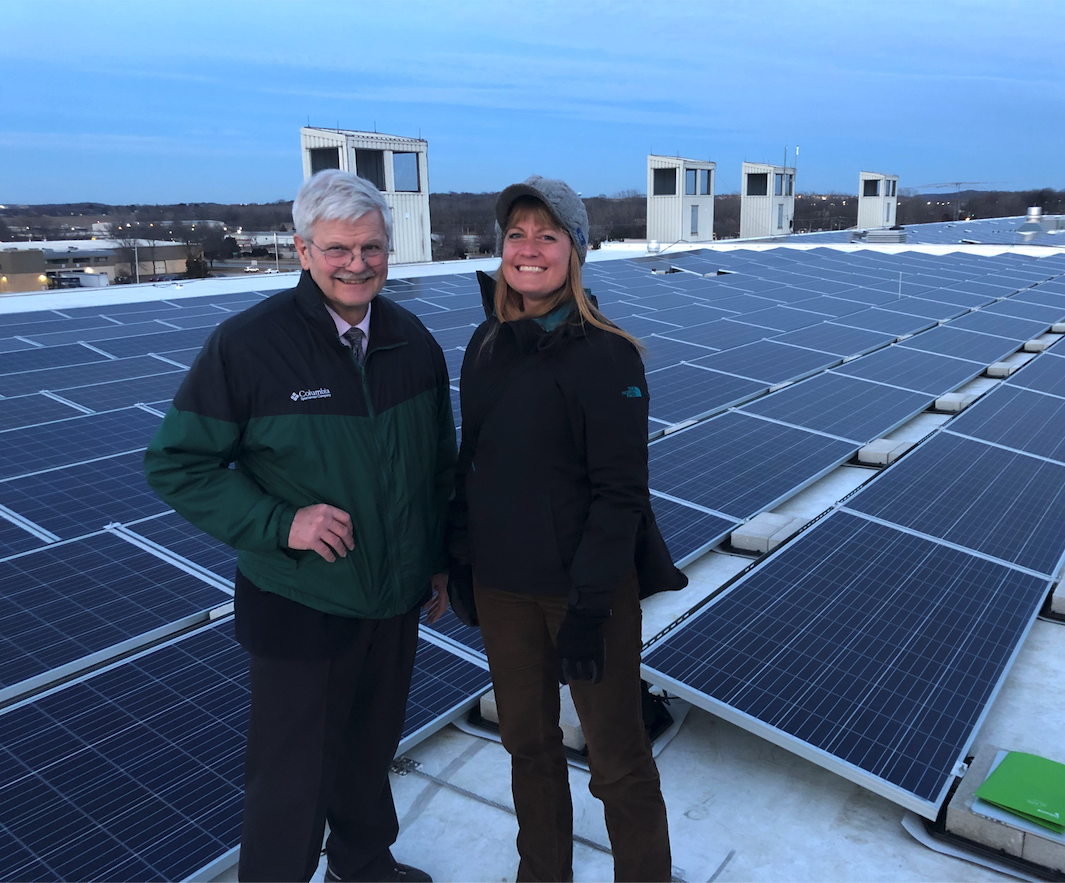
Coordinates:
[355,337]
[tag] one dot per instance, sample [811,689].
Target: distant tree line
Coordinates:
[464,223]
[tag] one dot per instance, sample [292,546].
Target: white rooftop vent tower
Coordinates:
[878,200]
[398,167]
[767,200]
[680,199]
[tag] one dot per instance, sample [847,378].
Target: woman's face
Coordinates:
[535,257]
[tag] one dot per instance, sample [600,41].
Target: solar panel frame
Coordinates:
[29,410]
[45,357]
[69,606]
[1044,374]
[75,439]
[845,407]
[737,465]
[688,392]
[689,533]
[769,361]
[913,369]
[173,533]
[92,372]
[975,346]
[995,502]
[72,501]
[1019,419]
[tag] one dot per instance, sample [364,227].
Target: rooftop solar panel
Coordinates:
[829,306]
[1046,374]
[1017,418]
[688,532]
[738,465]
[895,324]
[1007,505]
[77,500]
[30,409]
[839,340]
[768,361]
[13,539]
[68,605]
[59,336]
[1025,310]
[1002,326]
[96,372]
[847,407]
[46,357]
[470,315]
[33,448]
[913,369]
[870,651]
[959,295]
[174,533]
[684,392]
[928,309]
[782,318]
[720,334]
[661,352]
[124,393]
[161,342]
[962,344]
[50,322]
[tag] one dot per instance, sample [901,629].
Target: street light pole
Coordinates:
[136,263]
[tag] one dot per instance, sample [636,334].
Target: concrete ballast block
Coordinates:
[1057,600]
[883,451]
[765,532]
[1058,328]
[953,402]
[961,819]
[1010,364]
[1041,343]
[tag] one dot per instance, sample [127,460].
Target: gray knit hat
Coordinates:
[561,200]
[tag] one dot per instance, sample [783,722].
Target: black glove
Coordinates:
[580,646]
[460,593]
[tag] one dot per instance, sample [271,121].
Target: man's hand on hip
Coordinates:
[323,528]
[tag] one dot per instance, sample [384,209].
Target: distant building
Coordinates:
[249,242]
[680,199]
[767,200]
[41,266]
[877,199]
[398,167]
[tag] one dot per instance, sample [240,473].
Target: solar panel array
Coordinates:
[875,643]
[766,370]
[990,231]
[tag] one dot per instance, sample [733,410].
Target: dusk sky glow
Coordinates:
[162,102]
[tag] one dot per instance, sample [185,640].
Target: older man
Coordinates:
[332,404]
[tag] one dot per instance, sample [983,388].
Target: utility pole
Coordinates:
[277,264]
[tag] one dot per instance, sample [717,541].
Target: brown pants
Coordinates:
[519,634]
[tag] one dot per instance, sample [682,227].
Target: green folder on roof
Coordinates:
[1030,786]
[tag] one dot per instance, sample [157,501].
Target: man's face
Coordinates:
[349,261]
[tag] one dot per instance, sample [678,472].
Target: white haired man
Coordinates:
[332,404]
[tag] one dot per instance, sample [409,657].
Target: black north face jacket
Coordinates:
[554,498]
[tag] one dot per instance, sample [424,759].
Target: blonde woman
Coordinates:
[551,529]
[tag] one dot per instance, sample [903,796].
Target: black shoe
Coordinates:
[398,874]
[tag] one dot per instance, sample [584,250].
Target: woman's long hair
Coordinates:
[509,304]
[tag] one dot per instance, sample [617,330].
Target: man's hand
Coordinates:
[323,528]
[436,606]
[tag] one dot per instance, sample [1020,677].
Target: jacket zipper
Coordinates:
[383,478]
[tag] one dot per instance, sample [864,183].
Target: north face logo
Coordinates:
[305,395]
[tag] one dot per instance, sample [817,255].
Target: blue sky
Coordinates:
[202,101]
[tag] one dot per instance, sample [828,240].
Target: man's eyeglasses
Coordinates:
[338,256]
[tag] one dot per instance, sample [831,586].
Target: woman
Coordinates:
[552,512]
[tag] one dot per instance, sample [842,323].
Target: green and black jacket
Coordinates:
[275,393]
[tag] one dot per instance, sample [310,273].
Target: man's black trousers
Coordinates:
[322,734]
